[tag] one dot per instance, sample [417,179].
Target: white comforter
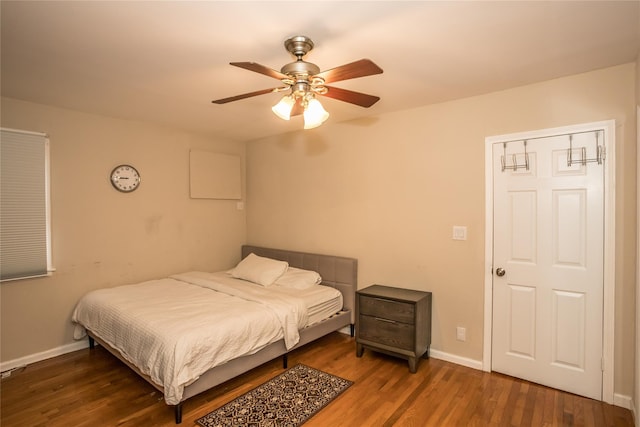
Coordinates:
[175,329]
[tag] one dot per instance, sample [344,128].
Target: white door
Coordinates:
[548,262]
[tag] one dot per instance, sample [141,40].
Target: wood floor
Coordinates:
[92,388]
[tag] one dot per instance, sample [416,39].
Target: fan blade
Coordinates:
[361,99]
[245,95]
[253,66]
[361,68]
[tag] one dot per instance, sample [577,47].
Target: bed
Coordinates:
[201,356]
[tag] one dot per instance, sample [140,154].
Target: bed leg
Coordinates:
[178,413]
[285,361]
[92,343]
[353,330]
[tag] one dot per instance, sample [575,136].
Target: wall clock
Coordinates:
[125,178]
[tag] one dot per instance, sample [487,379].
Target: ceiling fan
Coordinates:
[303,81]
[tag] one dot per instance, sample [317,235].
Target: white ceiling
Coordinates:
[165,61]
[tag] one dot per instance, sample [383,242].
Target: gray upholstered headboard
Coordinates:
[338,272]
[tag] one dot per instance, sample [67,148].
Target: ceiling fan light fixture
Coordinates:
[314,114]
[283,108]
[305,81]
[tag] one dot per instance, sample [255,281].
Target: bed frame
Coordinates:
[338,272]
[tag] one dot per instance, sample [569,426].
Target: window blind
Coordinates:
[25,244]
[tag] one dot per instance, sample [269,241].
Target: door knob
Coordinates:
[500,272]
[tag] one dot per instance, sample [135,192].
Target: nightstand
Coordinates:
[394,321]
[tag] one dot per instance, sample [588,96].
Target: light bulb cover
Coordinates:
[314,114]
[283,108]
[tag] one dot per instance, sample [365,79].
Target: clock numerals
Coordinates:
[125,178]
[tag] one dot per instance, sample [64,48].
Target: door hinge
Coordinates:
[602,364]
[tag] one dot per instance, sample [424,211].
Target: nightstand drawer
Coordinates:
[387,309]
[387,332]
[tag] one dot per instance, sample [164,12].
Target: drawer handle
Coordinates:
[385,320]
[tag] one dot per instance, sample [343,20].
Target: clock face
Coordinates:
[125,178]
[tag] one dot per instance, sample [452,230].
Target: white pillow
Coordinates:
[260,270]
[298,278]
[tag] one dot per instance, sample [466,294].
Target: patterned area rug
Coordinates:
[289,400]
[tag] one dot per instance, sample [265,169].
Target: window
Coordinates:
[25,224]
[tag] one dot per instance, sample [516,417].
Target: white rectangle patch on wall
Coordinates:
[214,176]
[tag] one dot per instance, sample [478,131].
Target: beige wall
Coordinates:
[105,238]
[638,78]
[637,323]
[388,191]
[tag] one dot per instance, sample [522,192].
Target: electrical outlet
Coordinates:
[459,232]
[461,333]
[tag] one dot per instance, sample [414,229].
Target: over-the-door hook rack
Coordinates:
[583,160]
[514,159]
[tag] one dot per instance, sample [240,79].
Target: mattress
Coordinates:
[320,301]
[176,328]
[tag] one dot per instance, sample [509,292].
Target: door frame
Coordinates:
[608,333]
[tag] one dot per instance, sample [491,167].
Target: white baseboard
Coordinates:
[346,330]
[458,360]
[37,357]
[622,401]
[441,355]
[634,414]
